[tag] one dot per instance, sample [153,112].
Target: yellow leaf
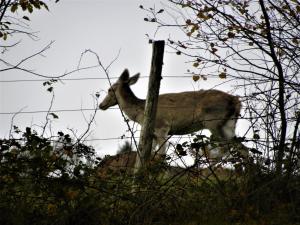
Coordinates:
[223,75]
[72,194]
[51,208]
[188,22]
[196,64]
[196,78]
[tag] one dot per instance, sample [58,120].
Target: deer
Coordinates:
[178,113]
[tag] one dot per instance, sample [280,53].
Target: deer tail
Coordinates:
[237,106]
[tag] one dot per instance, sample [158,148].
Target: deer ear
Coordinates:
[124,76]
[134,79]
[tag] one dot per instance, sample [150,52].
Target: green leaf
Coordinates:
[14,8]
[30,8]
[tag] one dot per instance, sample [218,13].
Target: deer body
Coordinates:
[178,113]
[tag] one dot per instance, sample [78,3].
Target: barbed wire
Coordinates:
[74,110]
[51,111]
[172,137]
[99,78]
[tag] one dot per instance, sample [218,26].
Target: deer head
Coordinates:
[120,87]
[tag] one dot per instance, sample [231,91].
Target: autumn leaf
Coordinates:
[71,194]
[223,75]
[231,34]
[203,16]
[196,64]
[295,41]
[196,78]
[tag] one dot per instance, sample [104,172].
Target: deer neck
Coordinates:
[130,104]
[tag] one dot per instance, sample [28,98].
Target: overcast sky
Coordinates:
[106,27]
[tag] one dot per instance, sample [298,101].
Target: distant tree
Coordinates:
[257,44]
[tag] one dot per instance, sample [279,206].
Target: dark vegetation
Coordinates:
[60,180]
[43,184]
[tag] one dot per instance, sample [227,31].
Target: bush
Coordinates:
[43,183]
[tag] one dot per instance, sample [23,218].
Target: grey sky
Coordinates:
[104,26]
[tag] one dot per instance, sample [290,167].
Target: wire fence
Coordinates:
[122,137]
[189,76]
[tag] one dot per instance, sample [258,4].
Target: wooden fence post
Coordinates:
[146,136]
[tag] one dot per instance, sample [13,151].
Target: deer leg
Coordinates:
[161,135]
[229,132]
[219,146]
